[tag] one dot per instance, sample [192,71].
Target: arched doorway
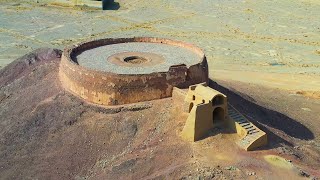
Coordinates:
[218,115]
[218,100]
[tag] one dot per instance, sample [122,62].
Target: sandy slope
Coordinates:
[46,133]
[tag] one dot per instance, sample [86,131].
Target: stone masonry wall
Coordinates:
[107,88]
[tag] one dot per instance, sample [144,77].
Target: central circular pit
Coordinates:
[124,62]
[135,59]
[129,70]
[157,57]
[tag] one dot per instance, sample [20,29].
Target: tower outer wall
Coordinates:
[106,88]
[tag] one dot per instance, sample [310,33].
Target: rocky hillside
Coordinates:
[47,133]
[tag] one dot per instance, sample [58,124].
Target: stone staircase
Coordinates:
[251,137]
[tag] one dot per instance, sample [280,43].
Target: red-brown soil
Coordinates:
[47,133]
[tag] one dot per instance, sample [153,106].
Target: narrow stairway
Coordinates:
[251,136]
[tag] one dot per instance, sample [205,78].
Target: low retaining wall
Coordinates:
[108,88]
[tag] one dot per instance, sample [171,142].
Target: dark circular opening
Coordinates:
[135,59]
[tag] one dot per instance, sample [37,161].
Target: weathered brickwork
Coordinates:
[108,88]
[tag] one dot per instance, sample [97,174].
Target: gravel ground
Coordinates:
[173,55]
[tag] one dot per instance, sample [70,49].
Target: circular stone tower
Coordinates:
[128,70]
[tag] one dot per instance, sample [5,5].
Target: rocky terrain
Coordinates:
[264,55]
[47,133]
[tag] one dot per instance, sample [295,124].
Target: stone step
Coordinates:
[235,115]
[241,121]
[254,136]
[250,128]
[230,111]
[247,128]
[248,140]
[254,132]
[250,137]
[244,124]
[241,118]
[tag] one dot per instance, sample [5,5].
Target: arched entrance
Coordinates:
[218,100]
[218,115]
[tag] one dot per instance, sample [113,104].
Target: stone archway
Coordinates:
[217,100]
[218,115]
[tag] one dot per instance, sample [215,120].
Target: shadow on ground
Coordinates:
[110,5]
[262,115]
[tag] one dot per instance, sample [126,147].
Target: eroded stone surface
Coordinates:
[97,58]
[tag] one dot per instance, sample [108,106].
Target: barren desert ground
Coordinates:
[264,55]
